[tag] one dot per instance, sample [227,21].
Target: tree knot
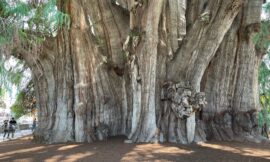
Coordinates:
[182,99]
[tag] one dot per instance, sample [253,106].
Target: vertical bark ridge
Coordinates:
[206,43]
[147,128]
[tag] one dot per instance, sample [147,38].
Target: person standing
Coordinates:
[12,126]
[34,125]
[5,127]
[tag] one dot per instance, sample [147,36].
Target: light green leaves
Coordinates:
[30,22]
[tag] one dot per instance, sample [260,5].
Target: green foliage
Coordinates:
[266,7]
[264,114]
[18,10]
[264,118]
[25,102]
[264,80]
[15,78]
[2,91]
[25,23]
[262,42]
[10,75]
[31,22]
[262,38]
[18,109]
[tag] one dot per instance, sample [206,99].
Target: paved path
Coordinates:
[18,134]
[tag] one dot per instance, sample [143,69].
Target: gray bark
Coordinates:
[234,79]
[136,68]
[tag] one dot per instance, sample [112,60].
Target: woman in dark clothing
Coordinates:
[12,126]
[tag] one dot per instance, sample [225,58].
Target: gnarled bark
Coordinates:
[106,75]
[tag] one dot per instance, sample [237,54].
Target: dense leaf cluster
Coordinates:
[28,21]
[25,102]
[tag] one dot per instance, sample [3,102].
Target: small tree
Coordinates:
[25,102]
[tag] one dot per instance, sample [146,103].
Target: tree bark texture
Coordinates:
[138,67]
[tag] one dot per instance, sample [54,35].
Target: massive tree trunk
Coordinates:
[137,68]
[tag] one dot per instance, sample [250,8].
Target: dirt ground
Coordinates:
[113,150]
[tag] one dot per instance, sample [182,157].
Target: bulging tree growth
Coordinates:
[153,70]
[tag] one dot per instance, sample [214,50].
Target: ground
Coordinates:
[17,134]
[113,150]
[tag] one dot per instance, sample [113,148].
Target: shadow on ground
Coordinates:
[114,150]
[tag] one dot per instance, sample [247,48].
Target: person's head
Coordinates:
[12,118]
[5,121]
